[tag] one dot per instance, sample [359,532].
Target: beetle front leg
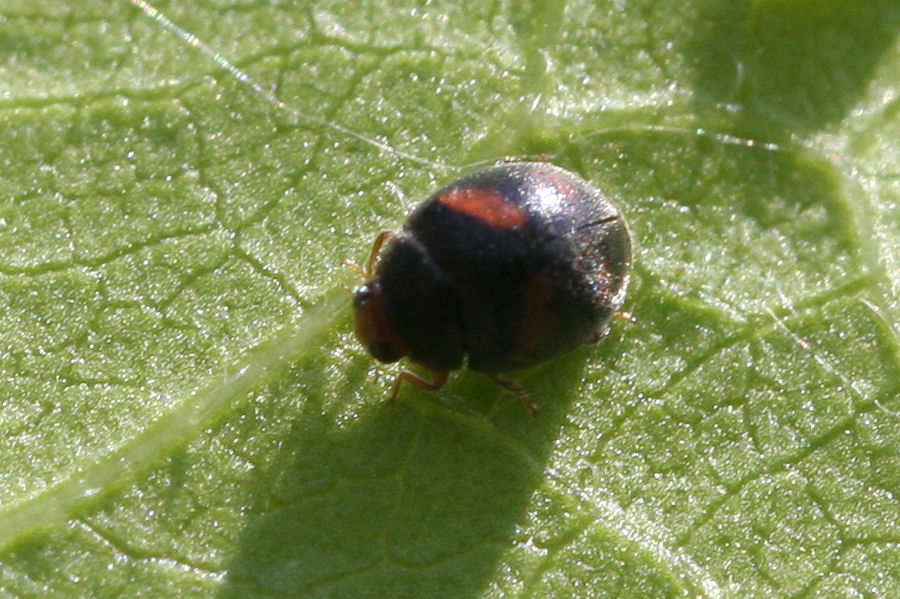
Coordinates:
[440,378]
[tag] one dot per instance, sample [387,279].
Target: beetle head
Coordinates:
[372,327]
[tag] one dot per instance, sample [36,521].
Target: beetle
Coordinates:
[502,269]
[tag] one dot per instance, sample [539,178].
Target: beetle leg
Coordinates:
[410,377]
[382,239]
[516,388]
[623,316]
[369,271]
[627,317]
[356,269]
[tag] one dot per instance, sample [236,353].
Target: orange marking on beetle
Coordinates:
[537,309]
[490,207]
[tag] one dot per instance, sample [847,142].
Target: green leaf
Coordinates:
[184,407]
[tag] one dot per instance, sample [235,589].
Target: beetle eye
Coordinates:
[362,297]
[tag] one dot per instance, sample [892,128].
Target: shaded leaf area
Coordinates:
[802,65]
[160,222]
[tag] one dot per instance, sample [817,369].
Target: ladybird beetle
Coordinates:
[506,267]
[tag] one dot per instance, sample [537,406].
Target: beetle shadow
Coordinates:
[799,65]
[424,494]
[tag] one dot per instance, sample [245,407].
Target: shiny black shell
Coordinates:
[508,267]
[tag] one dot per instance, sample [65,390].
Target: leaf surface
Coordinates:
[186,412]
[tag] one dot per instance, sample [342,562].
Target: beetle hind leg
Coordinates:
[515,388]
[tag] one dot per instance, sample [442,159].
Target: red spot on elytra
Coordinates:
[537,308]
[489,206]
